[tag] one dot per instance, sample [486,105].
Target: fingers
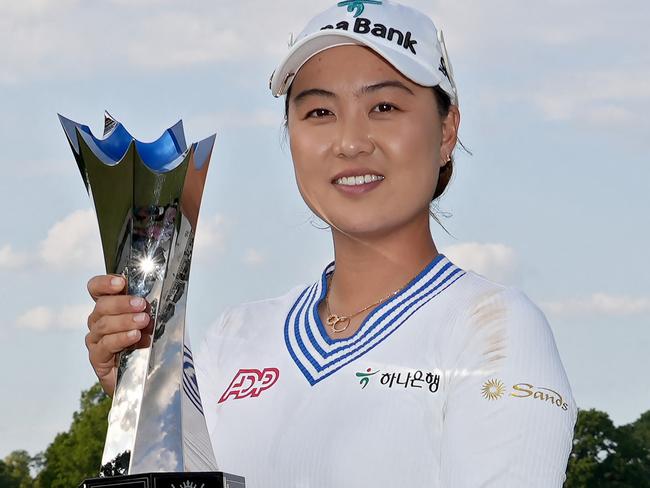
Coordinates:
[115,305]
[108,325]
[112,334]
[105,285]
[116,323]
[102,353]
[108,382]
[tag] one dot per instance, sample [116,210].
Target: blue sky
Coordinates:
[554,200]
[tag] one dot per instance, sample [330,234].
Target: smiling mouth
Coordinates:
[357,180]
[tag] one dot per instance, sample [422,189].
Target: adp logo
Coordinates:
[250,383]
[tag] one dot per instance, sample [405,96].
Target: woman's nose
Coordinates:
[352,137]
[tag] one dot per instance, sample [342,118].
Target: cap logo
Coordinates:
[443,68]
[357,4]
[365,26]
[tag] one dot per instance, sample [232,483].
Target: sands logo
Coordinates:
[250,383]
[525,390]
[494,389]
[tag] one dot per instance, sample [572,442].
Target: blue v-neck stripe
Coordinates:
[369,318]
[313,381]
[380,321]
[373,320]
[286,335]
[369,335]
[395,319]
[318,357]
[298,337]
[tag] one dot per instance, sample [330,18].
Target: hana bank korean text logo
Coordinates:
[411,379]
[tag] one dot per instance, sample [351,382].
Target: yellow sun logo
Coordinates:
[493,389]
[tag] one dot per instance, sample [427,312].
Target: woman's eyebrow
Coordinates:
[362,91]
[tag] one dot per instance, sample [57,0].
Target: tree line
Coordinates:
[603,454]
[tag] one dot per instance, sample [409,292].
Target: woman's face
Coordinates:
[394,132]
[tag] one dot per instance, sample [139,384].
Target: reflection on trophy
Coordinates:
[147,198]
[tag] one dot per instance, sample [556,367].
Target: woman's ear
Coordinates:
[449,128]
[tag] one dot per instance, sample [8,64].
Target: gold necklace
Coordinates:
[334,319]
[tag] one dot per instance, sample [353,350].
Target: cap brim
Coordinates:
[310,45]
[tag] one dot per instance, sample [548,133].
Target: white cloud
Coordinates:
[67,42]
[204,39]
[494,261]
[210,237]
[253,257]
[40,41]
[603,97]
[10,259]
[542,55]
[598,304]
[494,26]
[46,318]
[73,242]
[36,8]
[73,316]
[39,318]
[497,37]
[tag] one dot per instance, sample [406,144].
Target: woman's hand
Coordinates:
[117,322]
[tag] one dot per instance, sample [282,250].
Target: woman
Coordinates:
[396,366]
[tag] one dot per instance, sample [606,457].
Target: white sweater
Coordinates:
[453,382]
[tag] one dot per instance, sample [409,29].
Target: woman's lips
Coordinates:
[357,189]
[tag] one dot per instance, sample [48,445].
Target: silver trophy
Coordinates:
[147,198]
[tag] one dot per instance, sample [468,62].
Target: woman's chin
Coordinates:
[361,229]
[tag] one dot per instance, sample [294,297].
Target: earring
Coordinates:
[448,159]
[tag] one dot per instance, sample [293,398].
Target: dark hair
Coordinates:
[443,102]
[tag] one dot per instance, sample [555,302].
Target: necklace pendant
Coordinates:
[333,320]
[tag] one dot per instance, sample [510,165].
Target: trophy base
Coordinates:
[168,480]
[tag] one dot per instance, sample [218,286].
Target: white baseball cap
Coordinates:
[404,36]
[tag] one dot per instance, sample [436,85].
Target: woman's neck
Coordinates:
[369,269]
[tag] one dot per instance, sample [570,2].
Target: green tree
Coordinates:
[6,479]
[642,429]
[15,470]
[606,456]
[76,454]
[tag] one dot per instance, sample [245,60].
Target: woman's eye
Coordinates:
[385,104]
[321,112]
[317,110]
